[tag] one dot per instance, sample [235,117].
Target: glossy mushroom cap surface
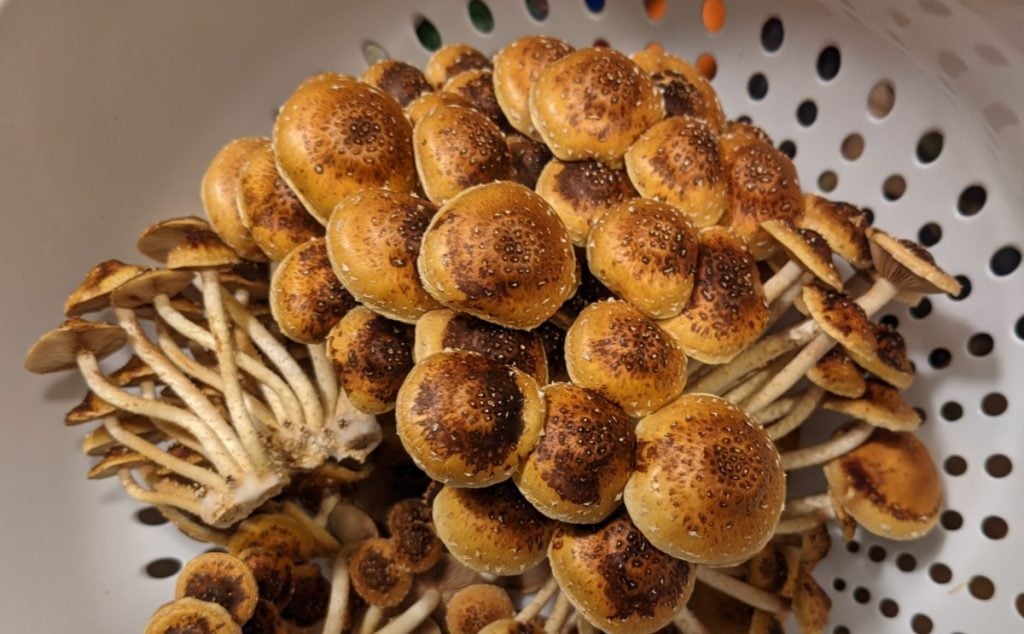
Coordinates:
[306,298]
[684,89]
[738,134]
[417,546]
[402,81]
[836,373]
[807,248]
[275,532]
[376,574]
[219,192]
[452,60]
[222,579]
[423,105]
[476,606]
[708,485]
[581,191]
[516,68]
[880,405]
[191,615]
[477,87]
[94,292]
[841,225]
[186,243]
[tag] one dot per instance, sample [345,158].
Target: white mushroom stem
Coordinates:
[583,626]
[775,411]
[800,523]
[783,279]
[740,590]
[539,600]
[559,614]
[829,450]
[782,304]
[418,612]
[688,623]
[371,619]
[181,467]
[337,606]
[808,504]
[193,529]
[327,506]
[743,391]
[801,411]
[326,542]
[326,375]
[157,498]
[693,367]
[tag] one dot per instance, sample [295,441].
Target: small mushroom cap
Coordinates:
[58,349]
[909,265]
[516,68]
[807,248]
[478,88]
[677,162]
[276,532]
[193,616]
[372,355]
[492,530]
[476,606]
[310,598]
[578,469]
[881,405]
[727,310]
[94,292]
[581,191]
[265,620]
[708,484]
[738,134]
[500,253]
[836,373]
[223,579]
[843,227]
[186,243]
[683,87]
[646,253]
[402,81]
[593,103]
[91,408]
[335,135]
[427,102]
[273,573]
[467,420]
[529,158]
[377,576]
[306,298]
[373,240]
[889,485]
[891,364]
[774,569]
[512,626]
[617,579]
[451,60]
[811,605]
[625,357]
[99,441]
[842,319]
[219,192]
[417,546]
[142,289]
[719,612]
[116,459]
[447,329]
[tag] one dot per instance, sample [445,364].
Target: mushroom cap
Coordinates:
[373,240]
[417,546]
[581,191]
[117,459]
[889,485]
[719,612]
[708,484]
[402,81]
[142,289]
[91,408]
[881,405]
[191,615]
[500,253]
[684,89]
[58,349]
[492,530]
[220,578]
[306,298]
[836,373]
[908,265]
[843,227]
[266,620]
[677,162]
[372,355]
[276,532]
[426,103]
[310,598]
[738,134]
[842,319]
[617,579]
[335,135]
[186,243]
[94,292]
[727,310]
[593,103]
[516,68]
[763,186]
[451,60]
[219,192]
[646,253]
[478,88]
[457,148]
[528,157]
[376,574]
[811,604]
[476,606]
[577,471]
[99,441]
[891,363]
[468,420]
[447,329]
[275,217]
[807,248]
[625,357]
[273,573]
[512,626]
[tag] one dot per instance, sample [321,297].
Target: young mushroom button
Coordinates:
[580,191]
[477,87]
[191,615]
[402,81]
[476,606]
[222,579]
[219,192]
[516,68]
[306,298]
[452,60]
[683,88]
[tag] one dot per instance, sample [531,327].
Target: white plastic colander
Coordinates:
[110,110]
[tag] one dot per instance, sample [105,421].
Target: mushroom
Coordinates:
[265,620]
[273,573]
[809,256]
[93,293]
[476,606]
[837,374]
[811,605]
[841,225]
[528,158]
[191,615]
[478,88]
[738,134]
[115,460]
[402,81]
[512,626]
[276,533]
[219,192]
[426,103]
[881,405]
[376,573]
[685,91]
[516,68]
[451,60]
[222,579]
[306,298]
[417,546]
[848,438]
[581,191]
[414,616]
[310,598]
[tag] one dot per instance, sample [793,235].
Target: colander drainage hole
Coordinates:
[890,320]
[538,9]
[839,584]
[163,568]
[922,309]
[971,200]
[955,466]
[929,146]
[1018,328]
[828,181]
[998,465]
[981,587]
[940,573]
[757,86]
[852,147]
[480,16]
[994,527]
[980,344]
[806,113]
[150,516]
[951,520]
[994,404]
[939,358]
[788,148]
[921,624]
[894,187]
[852,546]
[861,594]
[427,34]
[888,608]
[876,553]
[828,64]
[840,629]
[1005,261]
[930,234]
[1020,604]
[881,99]
[906,562]
[772,34]
[965,288]
[951,411]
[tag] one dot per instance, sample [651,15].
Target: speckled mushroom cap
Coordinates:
[617,579]
[891,363]
[677,162]
[708,485]
[516,68]
[373,240]
[402,81]
[763,185]
[889,485]
[306,297]
[593,103]
[411,525]
[478,89]
[274,216]
[529,158]
[492,530]
[837,374]
[512,626]
[499,252]
[376,574]
[457,148]
[266,619]
[727,310]
[577,471]
[448,329]
[807,248]
[908,265]
[467,420]
[219,193]
[646,253]
[476,606]
[94,292]
[427,102]
[614,350]
[811,605]
[451,60]
[881,405]
[311,597]
[57,350]
[143,288]
[372,355]
[220,578]
[841,225]
[186,242]
[684,89]
[581,191]
[273,573]
[276,532]
[335,135]
[738,134]
[191,615]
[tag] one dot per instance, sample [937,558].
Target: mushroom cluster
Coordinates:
[537,328]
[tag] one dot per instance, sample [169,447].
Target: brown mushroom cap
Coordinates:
[578,469]
[306,298]
[94,292]
[426,103]
[373,240]
[114,461]
[529,158]
[492,530]
[275,532]
[142,289]
[417,546]
[516,68]
[807,248]
[451,60]
[721,613]
[265,620]
[310,598]
[843,227]
[500,253]
[335,135]
[191,615]
[881,405]
[58,349]
[372,355]
[402,81]
[186,243]
[738,134]
[889,485]
[683,87]
[90,408]
[222,579]
[593,103]
[476,606]
[468,420]
[625,357]
[376,574]
[273,573]
[646,253]
[893,365]
[581,191]
[763,186]
[219,192]
[811,604]
[909,265]
[617,579]
[512,626]
[677,162]
[478,88]
[708,484]
[836,373]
